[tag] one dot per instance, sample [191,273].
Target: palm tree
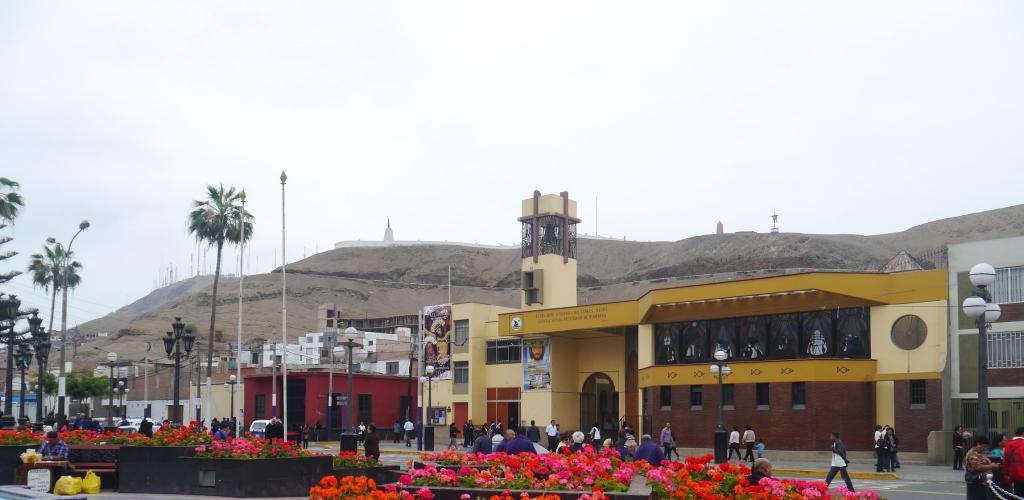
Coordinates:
[10,200]
[47,273]
[214,220]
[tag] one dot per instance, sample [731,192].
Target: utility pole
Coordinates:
[145,387]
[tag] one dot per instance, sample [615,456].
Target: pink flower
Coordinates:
[424,494]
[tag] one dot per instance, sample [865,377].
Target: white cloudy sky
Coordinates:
[862,117]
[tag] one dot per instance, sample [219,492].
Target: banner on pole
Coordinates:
[437,324]
[536,364]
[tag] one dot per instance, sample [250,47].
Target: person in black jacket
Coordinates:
[839,462]
[533,433]
[274,430]
[467,434]
[959,444]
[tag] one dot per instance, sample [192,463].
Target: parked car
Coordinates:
[257,427]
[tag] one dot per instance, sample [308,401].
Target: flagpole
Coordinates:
[284,318]
[238,348]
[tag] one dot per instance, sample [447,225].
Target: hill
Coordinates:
[385,281]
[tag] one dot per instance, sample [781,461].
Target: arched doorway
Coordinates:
[599,403]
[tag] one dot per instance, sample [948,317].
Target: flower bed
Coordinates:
[362,488]
[697,478]
[350,464]
[352,460]
[250,447]
[581,472]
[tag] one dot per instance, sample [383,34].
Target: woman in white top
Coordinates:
[734,444]
[595,437]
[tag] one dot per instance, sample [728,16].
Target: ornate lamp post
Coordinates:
[24,360]
[174,343]
[41,344]
[232,382]
[722,370]
[428,429]
[111,365]
[330,387]
[9,309]
[979,308]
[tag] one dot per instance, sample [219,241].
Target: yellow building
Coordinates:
[809,352]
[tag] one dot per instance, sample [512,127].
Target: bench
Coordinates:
[83,459]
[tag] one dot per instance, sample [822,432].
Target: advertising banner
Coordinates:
[536,364]
[437,327]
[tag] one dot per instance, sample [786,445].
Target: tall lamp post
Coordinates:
[232,382]
[82,226]
[720,369]
[174,343]
[978,308]
[41,343]
[24,360]
[348,438]
[122,392]
[428,429]
[111,364]
[330,387]
[9,308]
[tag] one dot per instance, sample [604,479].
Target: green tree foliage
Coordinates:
[47,273]
[217,219]
[10,202]
[49,383]
[86,385]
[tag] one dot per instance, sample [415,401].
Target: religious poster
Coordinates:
[437,327]
[536,364]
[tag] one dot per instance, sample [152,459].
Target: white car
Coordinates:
[258,427]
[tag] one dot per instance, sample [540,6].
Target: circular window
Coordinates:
[909,332]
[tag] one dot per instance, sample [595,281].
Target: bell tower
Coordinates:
[549,251]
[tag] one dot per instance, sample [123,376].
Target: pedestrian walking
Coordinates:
[595,437]
[839,462]
[467,434]
[959,443]
[410,428]
[667,440]
[749,440]
[371,443]
[1013,461]
[453,434]
[552,432]
[397,431]
[533,432]
[878,436]
[894,459]
[734,444]
[978,466]
[672,450]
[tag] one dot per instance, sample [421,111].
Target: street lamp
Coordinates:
[9,308]
[978,307]
[124,403]
[121,392]
[720,369]
[174,343]
[330,387]
[232,381]
[41,343]
[82,226]
[349,438]
[24,360]
[111,364]
[428,430]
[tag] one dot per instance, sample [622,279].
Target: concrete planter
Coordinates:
[382,475]
[151,469]
[10,460]
[269,477]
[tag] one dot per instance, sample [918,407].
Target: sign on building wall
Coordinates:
[437,326]
[536,364]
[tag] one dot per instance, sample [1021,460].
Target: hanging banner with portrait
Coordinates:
[536,364]
[437,326]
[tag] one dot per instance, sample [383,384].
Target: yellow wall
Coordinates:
[885,410]
[930,357]
[220,398]
[559,282]
[548,203]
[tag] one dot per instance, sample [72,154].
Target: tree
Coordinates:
[86,385]
[49,383]
[219,335]
[215,220]
[47,273]
[10,202]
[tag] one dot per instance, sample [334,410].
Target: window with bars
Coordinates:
[392,368]
[696,396]
[461,331]
[461,372]
[1009,285]
[762,395]
[918,394]
[1005,349]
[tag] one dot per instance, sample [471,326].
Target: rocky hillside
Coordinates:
[387,281]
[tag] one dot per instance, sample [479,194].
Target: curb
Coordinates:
[886,476]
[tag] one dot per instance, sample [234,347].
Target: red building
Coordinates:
[377,399]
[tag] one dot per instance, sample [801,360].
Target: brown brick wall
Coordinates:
[848,408]
[912,423]
[1005,377]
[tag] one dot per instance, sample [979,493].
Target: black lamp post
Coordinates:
[232,382]
[720,369]
[9,309]
[24,359]
[978,308]
[111,365]
[174,343]
[41,343]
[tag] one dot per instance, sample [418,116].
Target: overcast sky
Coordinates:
[860,117]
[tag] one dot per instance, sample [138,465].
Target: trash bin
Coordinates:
[349,442]
[428,438]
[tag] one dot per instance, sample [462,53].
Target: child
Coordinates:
[760,448]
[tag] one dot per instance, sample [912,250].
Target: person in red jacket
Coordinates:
[1013,461]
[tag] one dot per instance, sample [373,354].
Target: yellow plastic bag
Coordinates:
[68,485]
[91,483]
